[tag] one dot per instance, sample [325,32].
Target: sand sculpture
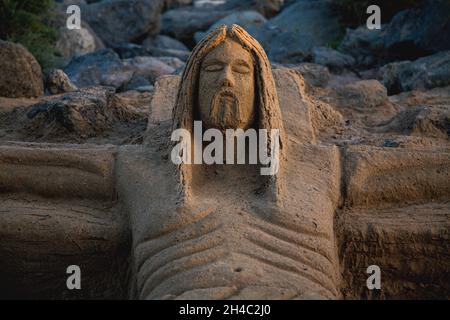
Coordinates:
[225,231]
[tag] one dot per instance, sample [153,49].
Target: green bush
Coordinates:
[352,13]
[25,22]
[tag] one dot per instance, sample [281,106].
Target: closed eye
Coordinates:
[241,68]
[213,67]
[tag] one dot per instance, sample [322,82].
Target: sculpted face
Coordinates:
[227,87]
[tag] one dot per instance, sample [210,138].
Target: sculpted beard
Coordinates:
[225,112]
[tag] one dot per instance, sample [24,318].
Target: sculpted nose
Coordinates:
[227,79]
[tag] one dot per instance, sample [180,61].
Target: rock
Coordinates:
[118,21]
[365,45]
[182,55]
[333,59]
[131,50]
[70,2]
[170,4]
[58,82]
[245,19]
[20,73]
[148,67]
[364,94]
[411,34]
[102,67]
[422,120]
[424,73]
[268,8]
[148,88]
[84,113]
[290,36]
[174,62]
[164,42]
[314,74]
[136,82]
[419,31]
[75,42]
[182,23]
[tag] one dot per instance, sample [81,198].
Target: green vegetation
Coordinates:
[353,12]
[26,22]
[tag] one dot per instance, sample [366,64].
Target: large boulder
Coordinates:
[183,22]
[246,19]
[75,42]
[103,67]
[170,4]
[412,33]
[92,112]
[290,36]
[84,114]
[364,45]
[268,8]
[131,50]
[164,42]
[20,73]
[424,73]
[117,21]
[419,31]
[150,68]
[333,59]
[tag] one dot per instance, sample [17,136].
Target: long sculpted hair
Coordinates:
[268,113]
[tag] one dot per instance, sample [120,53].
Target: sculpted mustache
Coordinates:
[225,92]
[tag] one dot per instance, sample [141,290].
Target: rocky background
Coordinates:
[387,87]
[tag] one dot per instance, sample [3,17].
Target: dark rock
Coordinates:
[58,82]
[148,67]
[118,21]
[20,73]
[164,42]
[182,23]
[365,45]
[102,67]
[137,82]
[171,4]
[268,8]
[182,55]
[419,31]
[290,36]
[424,73]
[84,113]
[131,50]
[412,33]
[174,62]
[245,19]
[333,59]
